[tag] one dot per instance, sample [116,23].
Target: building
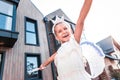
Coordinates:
[111,48]
[23,41]
[26,40]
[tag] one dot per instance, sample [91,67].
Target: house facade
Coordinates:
[26,41]
[111,49]
[23,41]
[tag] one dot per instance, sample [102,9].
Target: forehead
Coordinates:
[60,25]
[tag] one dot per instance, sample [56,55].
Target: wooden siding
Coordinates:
[15,57]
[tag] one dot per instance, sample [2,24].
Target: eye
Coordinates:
[59,31]
[65,28]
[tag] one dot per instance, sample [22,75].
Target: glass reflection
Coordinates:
[32,64]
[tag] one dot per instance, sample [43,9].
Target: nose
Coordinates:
[64,31]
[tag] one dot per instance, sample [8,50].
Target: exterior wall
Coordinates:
[117,53]
[107,64]
[14,65]
[112,63]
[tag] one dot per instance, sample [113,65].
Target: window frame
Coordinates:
[13,23]
[36,31]
[38,56]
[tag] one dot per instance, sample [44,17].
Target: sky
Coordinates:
[103,19]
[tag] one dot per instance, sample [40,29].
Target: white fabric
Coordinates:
[69,62]
[94,56]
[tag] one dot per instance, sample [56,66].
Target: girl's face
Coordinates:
[62,32]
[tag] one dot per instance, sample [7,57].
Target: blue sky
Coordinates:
[102,21]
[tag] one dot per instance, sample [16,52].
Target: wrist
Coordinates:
[42,66]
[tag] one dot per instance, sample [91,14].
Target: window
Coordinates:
[7,14]
[31,32]
[1,64]
[32,61]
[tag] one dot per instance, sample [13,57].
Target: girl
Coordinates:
[68,59]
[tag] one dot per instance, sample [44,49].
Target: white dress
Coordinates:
[69,62]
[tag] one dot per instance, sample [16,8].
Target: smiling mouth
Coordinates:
[65,36]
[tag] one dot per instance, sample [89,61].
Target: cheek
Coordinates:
[58,33]
[69,31]
[57,36]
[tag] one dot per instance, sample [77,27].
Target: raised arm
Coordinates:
[80,22]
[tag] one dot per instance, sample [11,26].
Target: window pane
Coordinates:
[32,63]
[30,26]
[31,38]
[5,22]
[6,8]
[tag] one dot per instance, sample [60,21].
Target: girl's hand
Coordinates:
[42,67]
[36,69]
